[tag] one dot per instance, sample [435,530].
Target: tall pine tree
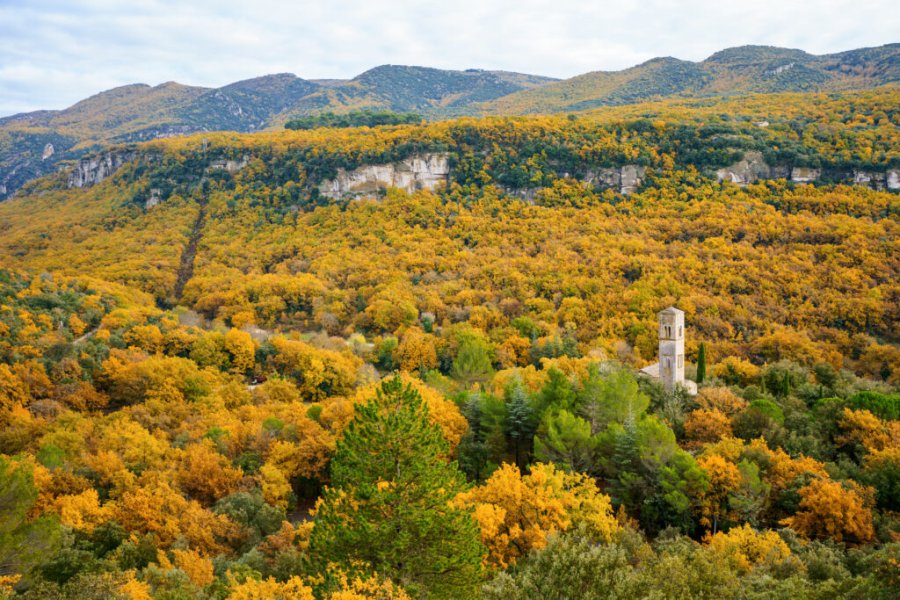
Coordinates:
[701,363]
[388,508]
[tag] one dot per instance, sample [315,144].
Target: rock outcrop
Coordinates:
[232,166]
[892,180]
[748,170]
[872,179]
[627,179]
[420,172]
[805,174]
[154,199]
[754,168]
[94,169]
[48,152]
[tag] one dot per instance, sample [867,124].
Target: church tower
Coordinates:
[671,347]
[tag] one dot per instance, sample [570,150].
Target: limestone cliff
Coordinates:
[627,178]
[805,174]
[420,172]
[94,169]
[232,166]
[752,168]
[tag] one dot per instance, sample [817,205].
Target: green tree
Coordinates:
[701,363]
[520,421]
[473,361]
[557,393]
[388,508]
[24,543]
[566,440]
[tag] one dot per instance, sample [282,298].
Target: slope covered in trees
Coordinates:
[437,394]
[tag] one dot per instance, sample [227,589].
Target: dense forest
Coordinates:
[247,389]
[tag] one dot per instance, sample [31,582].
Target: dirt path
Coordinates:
[86,336]
[186,266]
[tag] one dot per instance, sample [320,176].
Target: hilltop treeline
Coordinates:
[354,118]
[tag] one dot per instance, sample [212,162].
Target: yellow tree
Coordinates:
[705,426]
[242,349]
[516,513]
[416,352]
[829,509]
[724,478]
[746,548]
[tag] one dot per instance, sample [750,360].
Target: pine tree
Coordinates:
[388,508]
[520,421]
[701,363]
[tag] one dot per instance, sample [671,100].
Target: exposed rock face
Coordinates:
[48,152]
[627,179]
[422,172]
[753,168]
[805,174]
[94,169]
[632,178]
[870,178]
[154,199]
[232,166]
[748,170]
[527,194]
[892,179]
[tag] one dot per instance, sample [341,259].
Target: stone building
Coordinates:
[670,368]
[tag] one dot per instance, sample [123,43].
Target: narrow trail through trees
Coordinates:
[186,265]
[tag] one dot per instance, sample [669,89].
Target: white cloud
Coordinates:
[53,53]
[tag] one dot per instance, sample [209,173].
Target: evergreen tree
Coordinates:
[701,363]
[520,421]
[388,508]
[24,542]
[473,450]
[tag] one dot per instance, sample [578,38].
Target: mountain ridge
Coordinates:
[39,142]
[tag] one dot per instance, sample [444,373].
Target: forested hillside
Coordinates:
[224,376]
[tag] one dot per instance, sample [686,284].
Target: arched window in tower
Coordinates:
[680,333]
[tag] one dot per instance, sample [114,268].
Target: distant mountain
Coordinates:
[423,89]
[34,144]
[742,70]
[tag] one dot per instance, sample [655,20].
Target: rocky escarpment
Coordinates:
[753,168]
[420,172]
[627,178]
[94,169]
[428,171]
[231,166]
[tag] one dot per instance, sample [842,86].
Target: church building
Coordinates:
[670,368]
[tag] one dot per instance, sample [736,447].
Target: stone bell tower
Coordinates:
[671,347]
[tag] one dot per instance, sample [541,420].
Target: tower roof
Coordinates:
[671,311]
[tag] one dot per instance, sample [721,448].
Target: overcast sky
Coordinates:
[55,52]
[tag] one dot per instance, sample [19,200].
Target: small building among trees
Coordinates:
[670,368]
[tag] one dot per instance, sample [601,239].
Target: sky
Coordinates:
[56,52]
